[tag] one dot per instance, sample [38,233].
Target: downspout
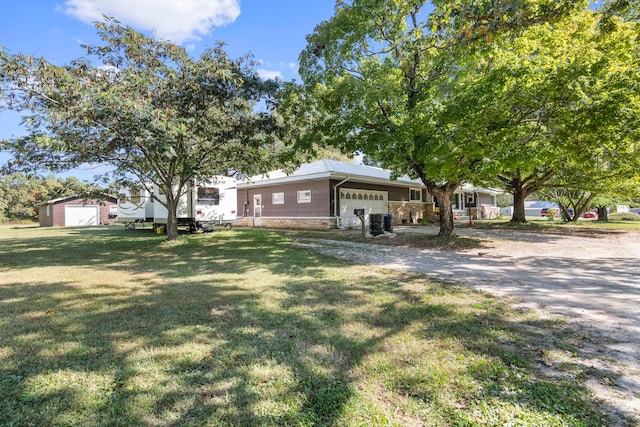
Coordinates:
[335,198]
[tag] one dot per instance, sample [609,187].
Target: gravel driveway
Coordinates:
[592,279]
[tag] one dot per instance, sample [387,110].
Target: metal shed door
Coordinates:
[75,216]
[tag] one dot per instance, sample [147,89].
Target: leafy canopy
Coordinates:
[145,107]
[386,77]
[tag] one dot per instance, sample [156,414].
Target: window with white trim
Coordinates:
[277,198]
[304,196]
[415,194]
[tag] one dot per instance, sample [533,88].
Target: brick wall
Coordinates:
[410,212]
[310,223]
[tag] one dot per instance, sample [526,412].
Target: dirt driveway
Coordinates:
[591,279]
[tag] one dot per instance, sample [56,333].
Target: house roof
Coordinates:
[341,170]
[540,204]
[108,197]
[330,168]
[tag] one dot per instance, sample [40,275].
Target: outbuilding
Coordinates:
[76,211]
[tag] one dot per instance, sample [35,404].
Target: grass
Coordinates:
[618,222]
[105,327]
[624,216]
[418,240]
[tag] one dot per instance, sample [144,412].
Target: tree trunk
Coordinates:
[521,188]
[443,194]
[172,223]
[603,215]
[519,197]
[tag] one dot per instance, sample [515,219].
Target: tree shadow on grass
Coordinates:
[190,338]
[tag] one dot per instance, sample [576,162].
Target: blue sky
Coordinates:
[272,30]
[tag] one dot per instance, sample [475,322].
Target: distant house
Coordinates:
[74,211]
[535,207]
[324,194]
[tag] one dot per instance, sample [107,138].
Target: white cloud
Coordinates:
[269,74]
[175,20]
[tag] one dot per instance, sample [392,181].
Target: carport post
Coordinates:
[360,214]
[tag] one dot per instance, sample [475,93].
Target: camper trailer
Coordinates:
[213,201]
[135,207]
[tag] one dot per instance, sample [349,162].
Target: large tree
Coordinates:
[610,177]
[146,108]
[551,96]
[578,89]
[385,75]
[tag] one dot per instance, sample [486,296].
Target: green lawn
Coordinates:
[99,326]
[558,225]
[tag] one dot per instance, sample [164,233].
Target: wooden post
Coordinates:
[360,214]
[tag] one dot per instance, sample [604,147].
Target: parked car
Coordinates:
[545,211]
[590,215]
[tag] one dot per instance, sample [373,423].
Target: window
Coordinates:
[304,196]
[415,194]
[48,210]
[277,198]
[208,196]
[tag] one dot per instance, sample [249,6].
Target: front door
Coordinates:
[257,210]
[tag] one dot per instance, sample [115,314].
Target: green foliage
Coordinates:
[559,102]
[392,79]
[504,200]
[629,9]
[144,107]
[21,194]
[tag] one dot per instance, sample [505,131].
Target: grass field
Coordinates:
[105,327]
[628,222]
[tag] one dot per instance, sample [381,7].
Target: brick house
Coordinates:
[324,193]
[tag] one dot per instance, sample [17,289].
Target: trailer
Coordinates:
[135,207]
[205,203]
